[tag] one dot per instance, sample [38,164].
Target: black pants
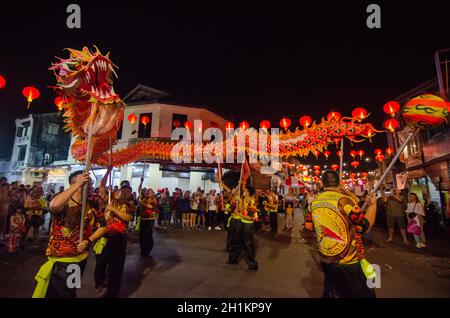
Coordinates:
[274,221]
[345,281]
[110,264]
[211,218]
[242,238]
[57,286]
[146,236]
[229,236]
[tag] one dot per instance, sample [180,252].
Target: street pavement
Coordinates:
[191,264]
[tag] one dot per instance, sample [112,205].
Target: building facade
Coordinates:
[40,140]
[41,150]
[425,162]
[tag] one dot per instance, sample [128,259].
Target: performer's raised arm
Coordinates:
[77,180]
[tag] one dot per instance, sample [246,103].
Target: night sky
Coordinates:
[254,61]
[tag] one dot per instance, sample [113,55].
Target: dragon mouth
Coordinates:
[99,82]
[95,80]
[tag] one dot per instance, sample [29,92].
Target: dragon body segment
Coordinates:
[85,82]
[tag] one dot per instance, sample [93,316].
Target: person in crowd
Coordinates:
[186,207]
[271,206]
[289,204]
[64,249]
[166,209]
[242,235]
[308,220]
[289,215]
[35,215]
[338,224]
[261,197]
[395,214]
[4,206]
[111,261]
[16,228]
[194,200]
[201,209]
[211,208]
[148,214]
[415,213]
[179,208]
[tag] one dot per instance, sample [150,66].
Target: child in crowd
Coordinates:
[17,225]
[289,214]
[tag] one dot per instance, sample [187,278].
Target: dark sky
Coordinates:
[250,61]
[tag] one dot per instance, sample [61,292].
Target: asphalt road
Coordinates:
[192,264]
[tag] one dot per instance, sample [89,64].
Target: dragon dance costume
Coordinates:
[242,232]
[148,215]
[111,252]
[62,252]
[338,224]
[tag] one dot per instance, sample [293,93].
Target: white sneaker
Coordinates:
[209,228]
[218,228]
[419,245]
[422,244]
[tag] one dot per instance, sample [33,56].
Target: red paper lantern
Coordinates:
[359,113]
[61,101]
[244,125]
[379,157]
[333,116]
[353,153]
[316,167]
[378,151]
[391,108]
[360,153]
[364,174]
[145,120]
[229,125]
[368,132]
[188,124]
[391,124]
[334,167]
[339,153]
[176,123]
[132,118]
[2,82]
[305,121]
[354,164]
[352,175]
[317,172]
[285,123]
[326,153]
[31,93]
[264,124]
[389,151]
[316,153]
